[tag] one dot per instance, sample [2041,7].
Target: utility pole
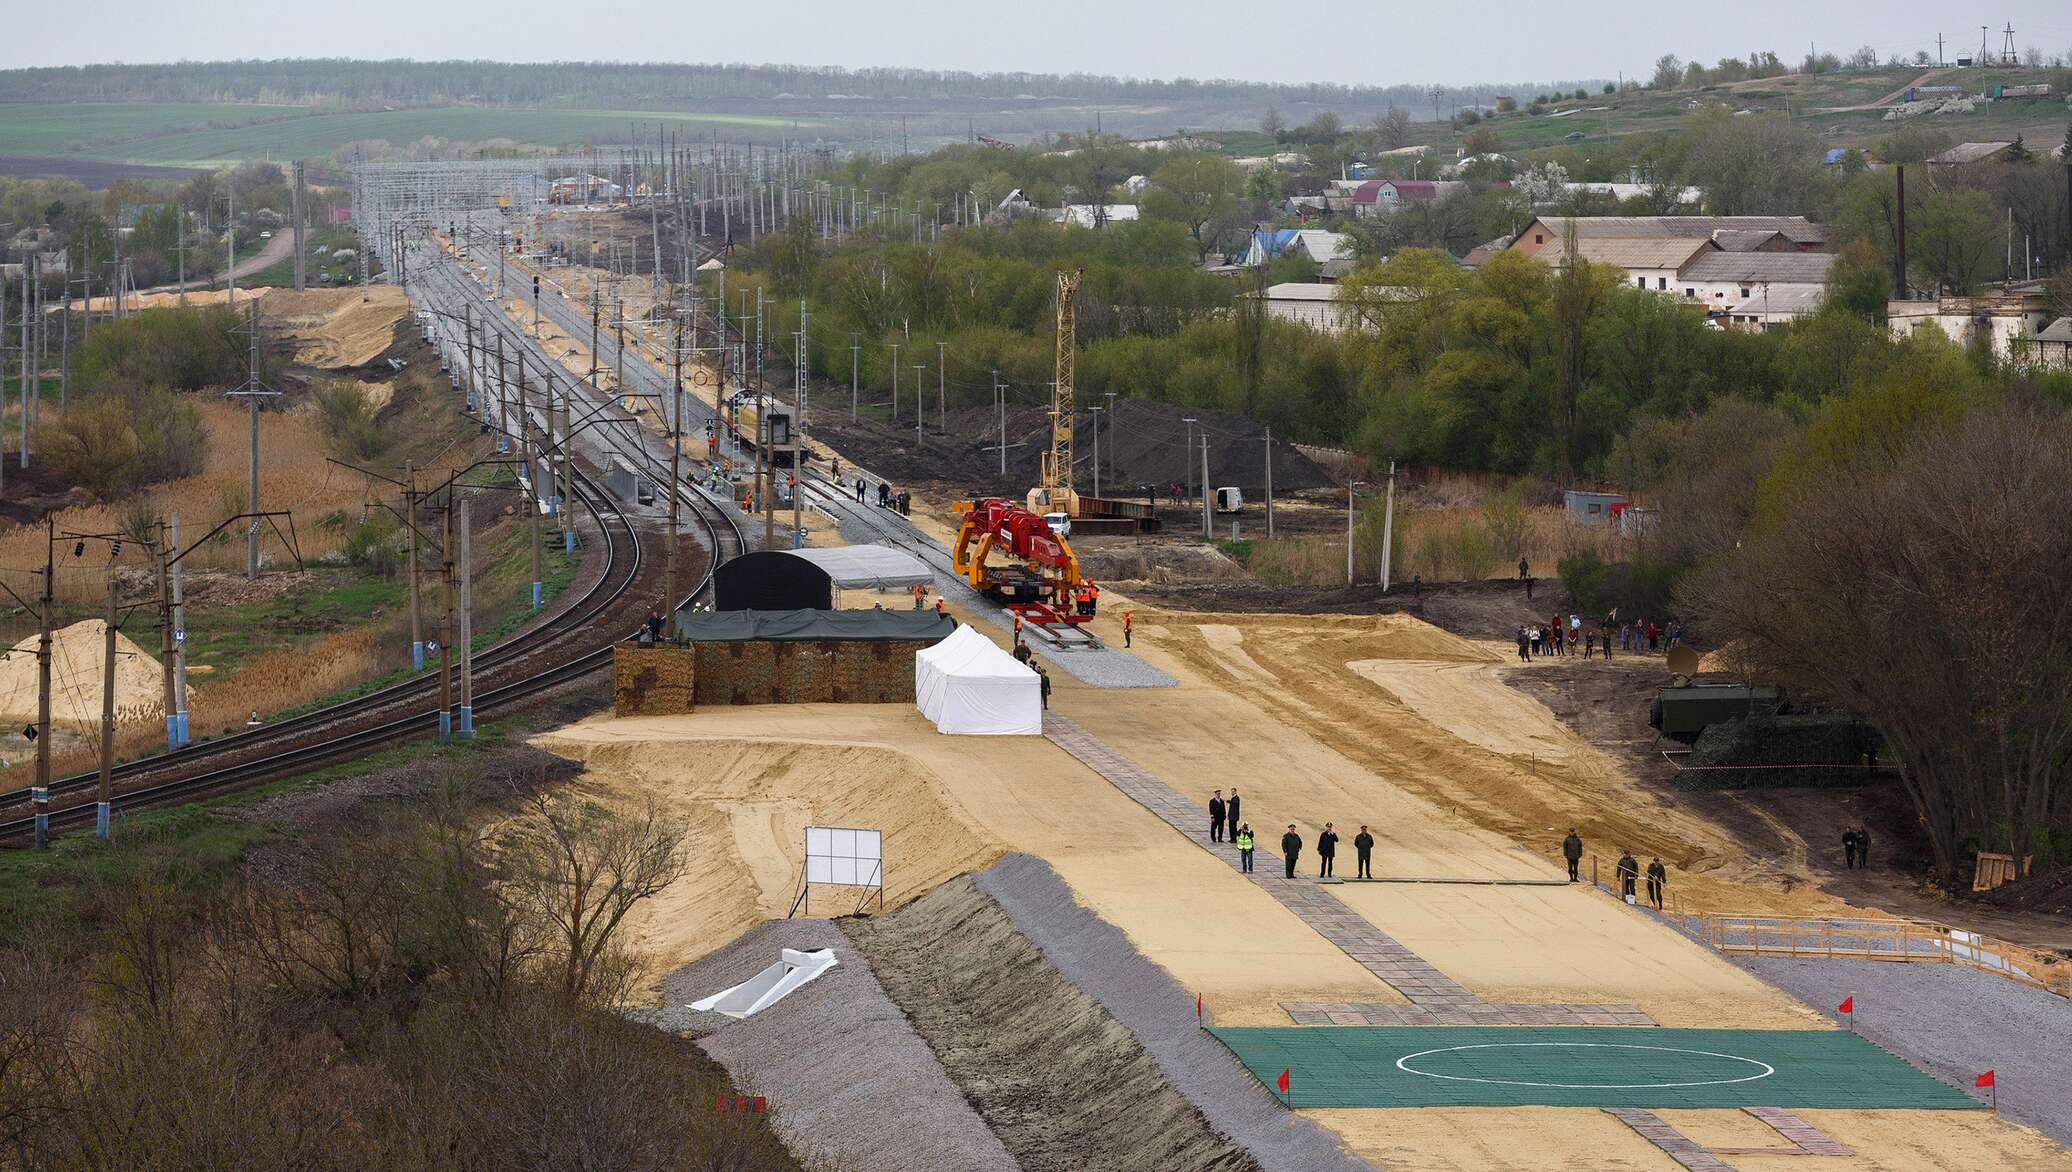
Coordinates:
[296,206]
[798,431]
[446,623]
[920,369]
[177,703]
[855,358]
[895,382]
[1000,406]
[942,368]
[1350,486]
[229,259]
[39,794]
[1388,529]
[1207,526]
[1186,460]
[252,392]
[530,450]
[1111,443]
[167,550]
[416,561]
[105,798]
[1269,482]
[466,731]
[675,481]
[1096,410]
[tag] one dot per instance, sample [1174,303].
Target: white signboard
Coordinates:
[843,855]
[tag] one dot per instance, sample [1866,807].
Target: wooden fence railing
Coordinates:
[1894,940]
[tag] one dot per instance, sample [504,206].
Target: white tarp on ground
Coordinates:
[869,567]
[770,986]
[969,687]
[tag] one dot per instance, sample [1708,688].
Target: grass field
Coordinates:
[205,133]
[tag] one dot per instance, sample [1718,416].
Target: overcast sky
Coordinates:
[1371,41]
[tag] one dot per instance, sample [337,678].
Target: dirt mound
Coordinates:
[75,678]
[1732,659]
[1146,443]
[746,805]
[1059,1080]
[1342,638]
[336,328]
[1138,561]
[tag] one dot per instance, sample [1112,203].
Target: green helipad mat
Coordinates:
[1581,1066]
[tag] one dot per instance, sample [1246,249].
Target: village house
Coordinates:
[2011,323]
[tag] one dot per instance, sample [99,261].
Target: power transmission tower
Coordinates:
[252,391]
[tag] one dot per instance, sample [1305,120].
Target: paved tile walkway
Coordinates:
[1809,1139]
[1429,991]
[1680,1147]
[1482,1013]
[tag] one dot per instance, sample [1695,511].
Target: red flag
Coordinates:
[1197,1005]
[1848,1004]
[1984,1080]
[1282,1081]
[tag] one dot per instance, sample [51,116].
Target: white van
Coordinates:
[1230,500]
[1059,523]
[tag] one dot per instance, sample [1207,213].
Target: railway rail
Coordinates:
[548,653]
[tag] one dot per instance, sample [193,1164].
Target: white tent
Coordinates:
[968,686]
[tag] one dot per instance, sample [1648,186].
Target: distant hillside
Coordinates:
[659,86]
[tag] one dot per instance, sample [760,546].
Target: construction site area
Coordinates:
[995,921]
[1041,795]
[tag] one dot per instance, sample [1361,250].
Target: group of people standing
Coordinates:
[1627,870]
[1227,814]
[1559,636]
[1856,848]
[898,500]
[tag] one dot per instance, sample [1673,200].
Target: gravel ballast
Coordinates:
[1097,958]
[850,1080]
[1951,1022]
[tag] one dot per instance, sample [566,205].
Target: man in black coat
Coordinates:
[1291,848]
[1572,850]
[1363,843]
[1327,850]
[1848,850]
[1629,871]
[1230,817]
[1216,817]
[1863,846]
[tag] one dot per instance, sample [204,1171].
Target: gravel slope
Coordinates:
[1099,959]
[1953,1023]
[850,1080]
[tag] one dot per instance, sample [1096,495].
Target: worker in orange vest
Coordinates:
[1127,627]
[920,592]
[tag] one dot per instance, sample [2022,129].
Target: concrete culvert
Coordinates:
[1058,1079]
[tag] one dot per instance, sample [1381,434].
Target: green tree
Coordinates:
[1860,281]
[1953,240]
[1198,191]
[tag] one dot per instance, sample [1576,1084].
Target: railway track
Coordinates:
[549,653]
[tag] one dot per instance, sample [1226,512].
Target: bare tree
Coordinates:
[1924,592]
[580,868]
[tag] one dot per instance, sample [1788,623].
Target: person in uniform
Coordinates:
[1848,849]
[1572,850]
[1216,817]
[1043,683]
[1327,851]
[1128,625]
[1244,848]
[1628,872]
[1291,848]
[1657,876]
[1363,847]
[1230,808]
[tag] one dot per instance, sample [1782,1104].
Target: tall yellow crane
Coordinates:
[1054,492]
